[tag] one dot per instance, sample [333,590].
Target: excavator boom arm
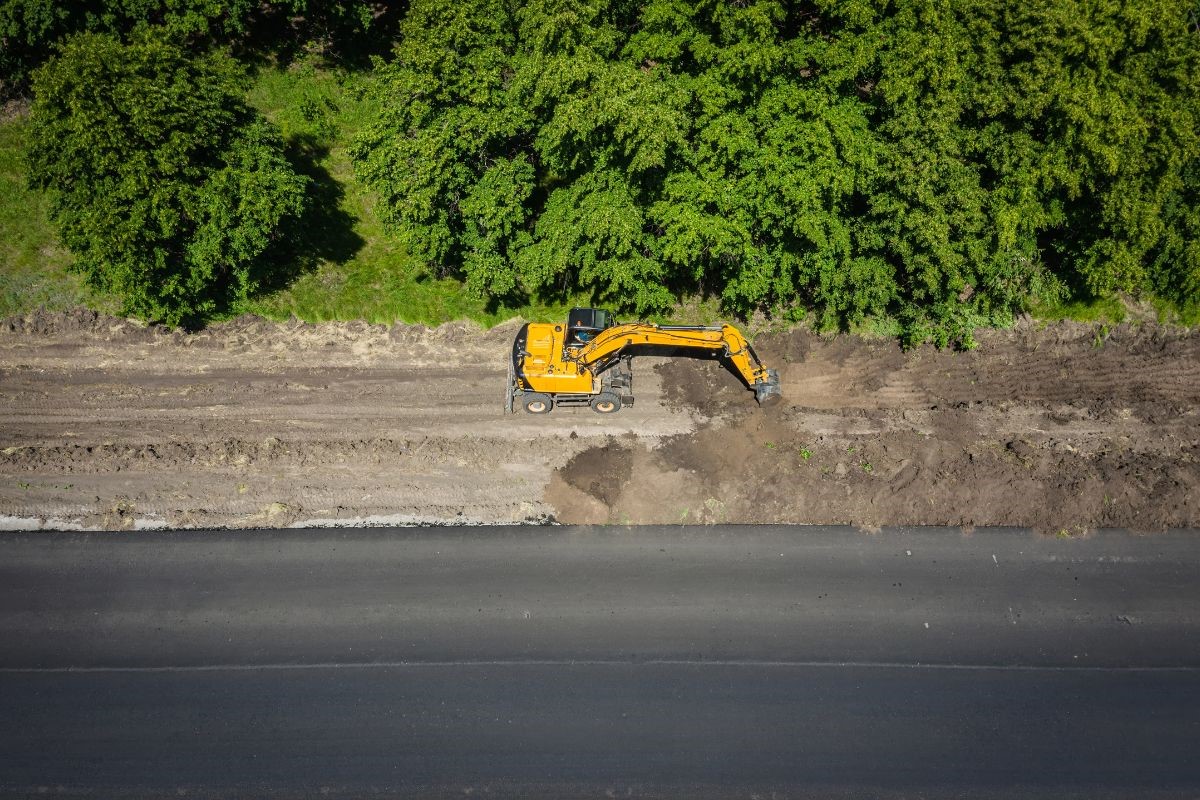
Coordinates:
[611,342]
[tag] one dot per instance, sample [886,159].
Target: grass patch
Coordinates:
[1109,310]
[1173,313]
[34,264]
[878,328]
[346,267]
[691,310]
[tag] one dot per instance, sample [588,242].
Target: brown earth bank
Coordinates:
[1061,428]
[111,424]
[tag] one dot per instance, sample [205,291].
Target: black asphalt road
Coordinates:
[561,662]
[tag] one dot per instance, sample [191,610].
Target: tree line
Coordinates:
[941,162]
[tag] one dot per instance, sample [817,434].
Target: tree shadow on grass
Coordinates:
[324,232]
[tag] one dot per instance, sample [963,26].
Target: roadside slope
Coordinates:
[1058,428]
[110,424]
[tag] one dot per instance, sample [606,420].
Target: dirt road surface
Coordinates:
[109,424]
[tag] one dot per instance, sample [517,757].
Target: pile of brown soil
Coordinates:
[1060,428]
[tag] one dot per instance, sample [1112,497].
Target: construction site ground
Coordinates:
[1064,428]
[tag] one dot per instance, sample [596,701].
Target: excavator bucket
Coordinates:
[769,392]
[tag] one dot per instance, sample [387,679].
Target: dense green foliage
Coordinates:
[936,163]
[30,29]
[941,161]
[163,183]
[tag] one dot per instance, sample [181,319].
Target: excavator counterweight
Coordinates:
[587,361]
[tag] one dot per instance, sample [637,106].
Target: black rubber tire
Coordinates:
[537,403]
[605,403]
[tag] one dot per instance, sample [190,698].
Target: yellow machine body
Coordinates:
[546,370]
[586,360]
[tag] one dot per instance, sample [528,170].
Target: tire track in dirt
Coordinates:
[107,423]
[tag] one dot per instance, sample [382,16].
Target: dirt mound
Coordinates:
[111,423]
[600,472]
[336,342]
[1067,427]
[81,321]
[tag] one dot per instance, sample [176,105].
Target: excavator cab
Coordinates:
[584,323]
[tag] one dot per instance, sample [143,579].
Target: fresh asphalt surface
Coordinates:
[560,662]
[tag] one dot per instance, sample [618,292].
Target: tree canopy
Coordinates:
[30,29]
[941,161]
[164,184]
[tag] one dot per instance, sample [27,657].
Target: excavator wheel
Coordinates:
[537,403]
[606,403]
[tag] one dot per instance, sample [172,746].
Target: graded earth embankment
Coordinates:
[107,423]
[1060,428]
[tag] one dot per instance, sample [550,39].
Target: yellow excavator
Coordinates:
[587,362]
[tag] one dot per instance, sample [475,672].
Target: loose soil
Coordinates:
[1061,428]
[111,424]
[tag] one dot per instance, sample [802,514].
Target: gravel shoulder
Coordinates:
[109,424]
